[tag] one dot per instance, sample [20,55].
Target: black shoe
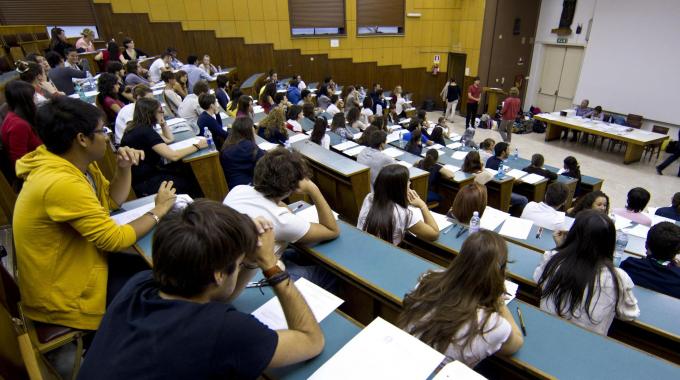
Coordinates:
[658,171]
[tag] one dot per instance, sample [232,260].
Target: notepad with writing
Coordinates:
[128,216]
[516,174]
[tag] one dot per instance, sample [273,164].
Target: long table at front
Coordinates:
[636,140]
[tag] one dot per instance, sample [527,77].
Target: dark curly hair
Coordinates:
[278,173]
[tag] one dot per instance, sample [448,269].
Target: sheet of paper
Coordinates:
[354,151]
[183,144]
[436,146]
[451,168]
[319,300]
[311,215]
[652,210]
[258,109]
[656,219]
[566,225]
[344,146]
[357,135]
[128,216]
[298,137]
[492,218]
[561,171]
[531,178]
[393,152]
[510,291]
[266,145]
[639,231]
[441,219]
[381,351]
[621,222]
[394,136]
[491,171]
[404,163]
[405,121]
[459,155]
[516,173]
[516,228]
[454,145]
[175,121]
[457,371]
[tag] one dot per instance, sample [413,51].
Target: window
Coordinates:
[375,17]
[319,17]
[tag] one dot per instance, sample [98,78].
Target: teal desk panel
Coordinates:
[329,159]
[250,82]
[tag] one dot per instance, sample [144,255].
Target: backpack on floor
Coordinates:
[538,126]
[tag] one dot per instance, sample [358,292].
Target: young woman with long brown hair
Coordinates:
[460,311]
[470,198]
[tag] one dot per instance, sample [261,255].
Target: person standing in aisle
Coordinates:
[674,156]
[450,94]
[474,94]
[511,107]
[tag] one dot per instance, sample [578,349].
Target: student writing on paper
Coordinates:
[279,174]
[578,280]
[414,145]
[673,211]
[354,119]
[340,128]
[150,173]
[318,135]
[244,107]
[470,198]
[473,165]
[636,203]
[536,167]
[429,164]
[62,226]
[295,116]
[658,271]
[372,156]
[240,153]
[273,127]
[595,200]
[393,208]
[178,317]
[460,311]
[545,214]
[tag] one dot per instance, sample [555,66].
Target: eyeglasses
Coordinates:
[103,131]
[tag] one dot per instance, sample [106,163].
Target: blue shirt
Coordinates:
[194,74]
[669,212]
[214,125]
[493,163]
[423,138]
[238,162]
[648,273]
[222,97]
[293,95]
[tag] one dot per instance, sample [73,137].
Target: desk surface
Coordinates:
[329,159]
[250,82]
[613,131]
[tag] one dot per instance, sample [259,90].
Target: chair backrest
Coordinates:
[42,36]
[26,37]
[8,196]
[660,129]
[10,40]
[634,121]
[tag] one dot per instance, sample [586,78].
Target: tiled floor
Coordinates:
[618,178]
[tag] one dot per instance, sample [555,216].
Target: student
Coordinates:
[340,128]
[58,41]
[124,92]
[203,257]
[140,134]
[594,200]
[372,156]
[657,271]
[511,107]
[351,98]
[536,167]
[62,226]
[414,144]
[437,136]
[335,106]
[232,106]
[461,311]
[578,280]
[130,52]
[190,109]
[473,95]
[486,149]
[366,111]
[221,90]
[61,76]
[473,165]
[267,97]
[323,99]
[672,212]
[206,66]
[17,130]
[127,112]
[210,118]
[595,114]
[545,214]
[437,171]
[194,74]
[170,96]
[450,94]
[392,209]
[73,59]
[399,102]
[133,76]
[353,119]
[273,127]
[501,152]
[182,86]
[637,201]
[159,66]
[108,55]
[309,117]
[33,73]
[318,135]
[279,174]
[412,126]
[293,93]
[245,107]
[305,98]
[175,63]
[295,116]
[85,43]
[471,198]
[674,156]
[46,86]
[240,153]
[573,169]
[392,116]
[108,88]
[301,84]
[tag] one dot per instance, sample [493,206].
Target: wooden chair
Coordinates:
[655,147]
[26,37]
[634,121]
[8,197]
[42,36]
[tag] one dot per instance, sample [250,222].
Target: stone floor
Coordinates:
[596,162]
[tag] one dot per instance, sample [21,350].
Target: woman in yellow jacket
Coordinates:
[62,226]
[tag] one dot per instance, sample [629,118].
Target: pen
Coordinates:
[461,232]
[256,284]
[298,207]
[521,322]
[539,232]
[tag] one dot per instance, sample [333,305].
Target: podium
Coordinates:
[492,97]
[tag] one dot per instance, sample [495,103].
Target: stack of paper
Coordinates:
[344,146]
[451,168]
[393,152]
[297,137]
[459,155]
[492,218]
[454,145]
[516,173]
[441,219]
[354,151]
[532,178]
[319,300]
[436,146]
[266,145]
[516,228]
[381,351]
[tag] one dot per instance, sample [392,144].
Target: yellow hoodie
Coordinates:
[62,228]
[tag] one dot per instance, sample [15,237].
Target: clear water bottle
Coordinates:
[287,145]
[208,138]
[474,222]
[79,91]
[500,173]
[515,154]
[90,80]
[621,243]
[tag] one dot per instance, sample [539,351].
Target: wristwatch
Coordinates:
[154,216]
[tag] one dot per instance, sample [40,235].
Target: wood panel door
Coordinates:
[559,77]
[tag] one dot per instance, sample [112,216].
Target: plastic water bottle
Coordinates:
[90,80]
[515,154]
[287,145]
[621,243]
[474,222]
[79,91]
[500,173]
[209,138]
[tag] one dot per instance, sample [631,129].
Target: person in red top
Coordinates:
[18,136]
[509,113]
[473,95]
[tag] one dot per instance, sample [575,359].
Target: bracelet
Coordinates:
[196,146]
[154,216]
[278,278]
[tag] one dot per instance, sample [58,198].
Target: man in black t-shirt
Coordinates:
[175,322]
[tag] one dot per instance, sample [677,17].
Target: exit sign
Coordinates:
[561,40]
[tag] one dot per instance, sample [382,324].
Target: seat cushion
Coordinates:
[47,332]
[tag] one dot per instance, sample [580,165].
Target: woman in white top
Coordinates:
[366,111]
[353,119]
[301,84]
[206,66]
[392,208]
[319,135]
[399,102]
[295,116]
[171,98]
[578,279]
[460,311]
